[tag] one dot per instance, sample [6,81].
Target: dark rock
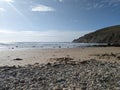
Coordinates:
[48,64]
[18,59]
[84,62]
[60,80]
[59,46]
[118,57]
[33,46]
[41,78]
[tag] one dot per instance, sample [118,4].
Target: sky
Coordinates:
[55,20]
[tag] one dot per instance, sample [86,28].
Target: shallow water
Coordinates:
[43,45]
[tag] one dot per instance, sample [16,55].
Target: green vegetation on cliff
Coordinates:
[105,35]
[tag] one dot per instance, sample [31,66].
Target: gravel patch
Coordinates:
[62,75]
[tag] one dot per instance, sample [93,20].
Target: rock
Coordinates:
[33,46]
[59,46]
[84,62]
[118,57]
[18,59]
[60,80]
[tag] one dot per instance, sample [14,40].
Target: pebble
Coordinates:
[18,59]
[63,75]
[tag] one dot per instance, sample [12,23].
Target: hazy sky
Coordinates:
[55,20]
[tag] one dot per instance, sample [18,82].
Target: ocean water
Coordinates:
[43,45]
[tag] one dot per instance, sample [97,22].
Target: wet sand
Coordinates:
[31,56]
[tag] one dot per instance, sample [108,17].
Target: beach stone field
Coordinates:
[62,74]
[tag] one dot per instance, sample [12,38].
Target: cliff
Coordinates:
[109,35]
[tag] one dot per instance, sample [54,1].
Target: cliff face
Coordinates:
[105,35]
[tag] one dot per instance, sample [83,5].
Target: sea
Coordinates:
[44,45]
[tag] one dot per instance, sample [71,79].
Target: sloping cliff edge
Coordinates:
[110,35]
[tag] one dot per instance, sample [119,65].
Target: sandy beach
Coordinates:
[43,56]
[88,68]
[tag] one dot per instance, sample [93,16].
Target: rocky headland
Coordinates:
[109,35]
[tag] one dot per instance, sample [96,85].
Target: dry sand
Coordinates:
[63,74]
[43,56]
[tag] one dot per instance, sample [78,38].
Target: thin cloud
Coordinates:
[9,1]
[41,36]
[59,1]
[2,9]
[114,3]
[98,4]
[42,8]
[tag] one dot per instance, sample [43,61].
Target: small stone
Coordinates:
[18,59]
[118,57]
[60,80]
